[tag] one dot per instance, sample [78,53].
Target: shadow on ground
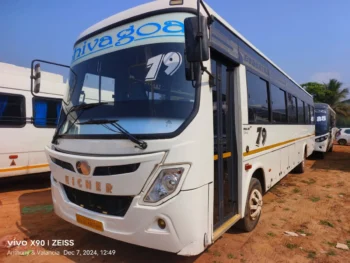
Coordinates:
[25,182]
[333,161]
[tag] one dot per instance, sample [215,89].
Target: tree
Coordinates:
[331,93]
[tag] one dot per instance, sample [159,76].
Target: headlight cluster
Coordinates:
[321,139]
[164,185]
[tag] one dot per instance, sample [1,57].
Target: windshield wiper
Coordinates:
[80,107]
[140,144]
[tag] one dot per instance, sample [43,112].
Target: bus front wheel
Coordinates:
[253,207]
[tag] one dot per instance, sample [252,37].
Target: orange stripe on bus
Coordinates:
[3,170]
[224,155]
[274,146]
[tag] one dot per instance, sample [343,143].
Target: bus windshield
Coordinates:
[142,86]
[321,122]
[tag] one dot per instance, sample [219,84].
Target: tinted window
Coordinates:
[312,115]
[322,126]
[301,117]
[12,110]
[278,105]
[257,99]
[307,113]
[347,131]
[46,112]
[292,108]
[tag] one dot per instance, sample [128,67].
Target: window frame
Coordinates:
[268,98]
[24,113]
[296,108]
[271,102]
[33,108]
[312,108]
[301,123]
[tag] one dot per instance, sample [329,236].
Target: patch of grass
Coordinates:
[331,253]
[341,183]
[328,196]
[315,199]
[331,244]
[286,209]
[310,181]
[273,225]
[291,246]
[217,254]
[326,223]
[271,234]
[281,201]
[296,190]
[231,256]
[339,221]
[283,219]
[311,254]
[327,185]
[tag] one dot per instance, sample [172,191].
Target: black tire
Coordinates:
[248,223]
[300,169]
[342,142]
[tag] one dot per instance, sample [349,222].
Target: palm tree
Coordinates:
[336,96]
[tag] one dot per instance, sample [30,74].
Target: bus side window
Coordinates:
[278,105]
[46,112]
[12,110]
[258,101]
[292,109]
[301,113]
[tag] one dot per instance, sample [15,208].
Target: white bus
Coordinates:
[325,128]
[27,123]
[188,144]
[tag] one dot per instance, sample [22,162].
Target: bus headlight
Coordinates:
[321,139]
[164,185]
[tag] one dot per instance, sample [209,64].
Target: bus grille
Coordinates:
[104,204]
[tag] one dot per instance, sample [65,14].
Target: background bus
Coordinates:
[27,123]
[325,128]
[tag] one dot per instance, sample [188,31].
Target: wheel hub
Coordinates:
[255,204]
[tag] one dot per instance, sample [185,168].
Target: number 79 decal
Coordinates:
[262,133]
[172,60]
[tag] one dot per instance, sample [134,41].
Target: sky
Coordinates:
[309,40]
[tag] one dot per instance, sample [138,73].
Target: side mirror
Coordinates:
[37,77]
[196,39]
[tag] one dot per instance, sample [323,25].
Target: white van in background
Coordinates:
[27,123]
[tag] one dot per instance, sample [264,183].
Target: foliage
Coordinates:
[331,93]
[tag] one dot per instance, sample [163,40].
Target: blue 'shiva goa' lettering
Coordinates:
[129,35]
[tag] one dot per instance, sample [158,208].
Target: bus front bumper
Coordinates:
[185,215]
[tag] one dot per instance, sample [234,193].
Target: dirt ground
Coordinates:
[316,203]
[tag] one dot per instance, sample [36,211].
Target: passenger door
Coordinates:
[225,150]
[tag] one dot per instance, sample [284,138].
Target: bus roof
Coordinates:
[159,6]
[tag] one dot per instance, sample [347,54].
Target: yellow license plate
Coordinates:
[97,225]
